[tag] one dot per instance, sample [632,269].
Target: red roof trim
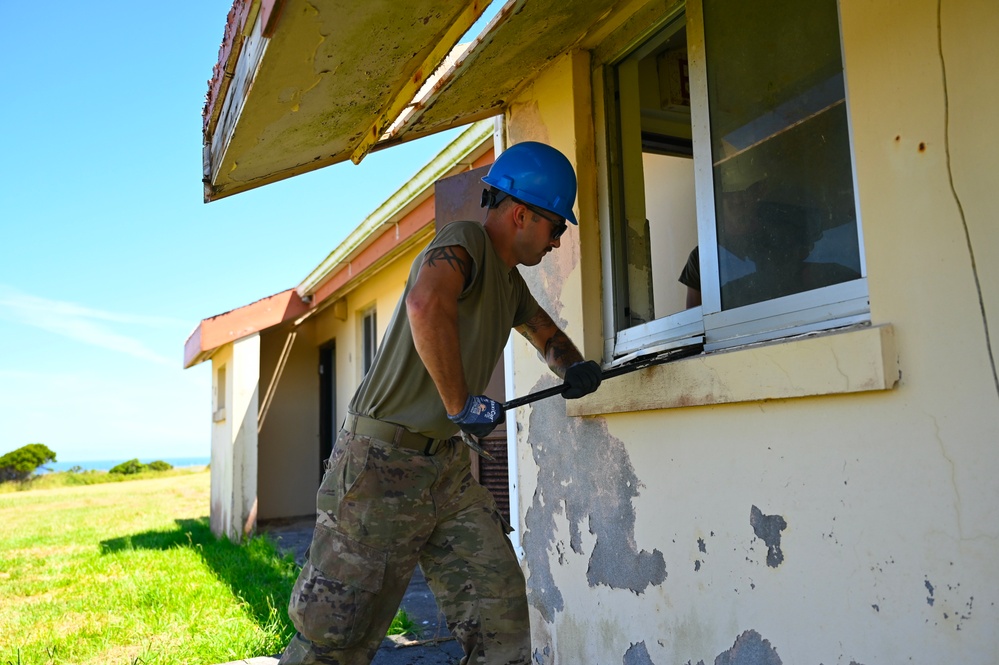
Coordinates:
[410,225]
[219,330]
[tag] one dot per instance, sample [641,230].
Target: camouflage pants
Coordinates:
[380,511]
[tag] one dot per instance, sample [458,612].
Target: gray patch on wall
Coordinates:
[585,472]
[749,649]
[767,528]
[637,654]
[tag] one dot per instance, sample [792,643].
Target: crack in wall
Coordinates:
[957,198]
[953,474]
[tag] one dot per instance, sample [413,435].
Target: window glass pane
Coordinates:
[783,184]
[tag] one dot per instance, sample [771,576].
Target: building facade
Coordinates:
[816,483]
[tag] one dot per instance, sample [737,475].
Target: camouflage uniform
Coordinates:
[381,510]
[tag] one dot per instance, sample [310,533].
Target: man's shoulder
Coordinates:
[462,228]
[470,235]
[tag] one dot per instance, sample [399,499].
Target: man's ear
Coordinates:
[518,212]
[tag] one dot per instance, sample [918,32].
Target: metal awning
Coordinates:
[316,83]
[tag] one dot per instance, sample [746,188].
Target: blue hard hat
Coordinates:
[537,174]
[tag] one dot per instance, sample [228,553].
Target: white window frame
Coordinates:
[830,307]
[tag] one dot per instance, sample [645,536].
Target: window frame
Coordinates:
[220,381]
[836,306]
[369,338]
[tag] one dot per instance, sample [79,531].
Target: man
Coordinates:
[398,488]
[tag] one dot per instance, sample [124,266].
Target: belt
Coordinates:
[395,434]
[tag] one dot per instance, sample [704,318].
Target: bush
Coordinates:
[21,463]
[134,466]
[129,467]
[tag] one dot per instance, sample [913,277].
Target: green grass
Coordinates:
[402,624]
[130,573]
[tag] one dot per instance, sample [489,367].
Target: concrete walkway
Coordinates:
[435,645]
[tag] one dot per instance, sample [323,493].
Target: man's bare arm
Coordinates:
[553,344]
[432,306]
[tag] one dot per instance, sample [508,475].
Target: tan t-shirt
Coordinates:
[398,389]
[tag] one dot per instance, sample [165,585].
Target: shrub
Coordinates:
[129,467]
[21,463]
[159,465]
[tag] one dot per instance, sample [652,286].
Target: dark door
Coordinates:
[327,404]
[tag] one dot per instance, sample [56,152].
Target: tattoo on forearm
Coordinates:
[560,352]
[531,327]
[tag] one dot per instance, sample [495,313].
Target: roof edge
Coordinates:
[384,215]
[221,329]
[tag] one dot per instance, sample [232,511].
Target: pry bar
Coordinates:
[674,354]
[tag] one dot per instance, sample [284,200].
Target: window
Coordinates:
[733,208]
[369,339]
[218,414]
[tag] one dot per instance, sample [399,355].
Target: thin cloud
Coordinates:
[83,324]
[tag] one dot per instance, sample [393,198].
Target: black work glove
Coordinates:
[582,378]
[480,416]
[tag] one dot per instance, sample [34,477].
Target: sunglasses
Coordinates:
[558,224]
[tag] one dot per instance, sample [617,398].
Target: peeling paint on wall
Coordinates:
[749,649]
[767,528]
[541,655]
[585,474]
[526,124]
[949,604]
[637,654]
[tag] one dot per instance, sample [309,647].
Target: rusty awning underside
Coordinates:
[305,84]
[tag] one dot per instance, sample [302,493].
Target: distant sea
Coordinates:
[104,465]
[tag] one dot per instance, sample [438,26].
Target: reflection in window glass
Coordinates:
[784,199]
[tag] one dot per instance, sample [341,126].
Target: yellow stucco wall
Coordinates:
[644,528]
[272,385]
[381,290]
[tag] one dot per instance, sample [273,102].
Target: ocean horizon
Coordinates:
[105,465]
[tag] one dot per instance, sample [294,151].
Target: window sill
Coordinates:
[219,415]
[855,360]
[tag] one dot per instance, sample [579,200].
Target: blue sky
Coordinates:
[108,256]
